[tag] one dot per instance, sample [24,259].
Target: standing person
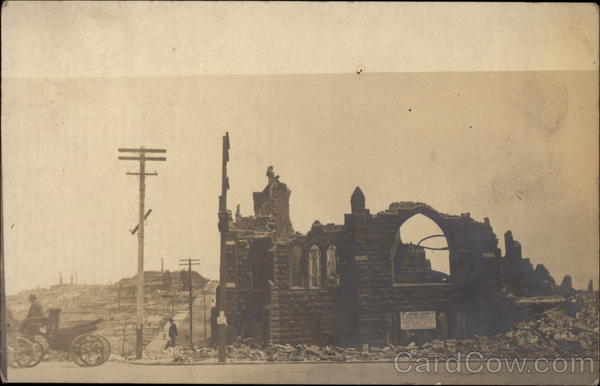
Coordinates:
[172,334]
[35,317]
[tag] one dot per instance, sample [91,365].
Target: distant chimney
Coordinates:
[162,265]
[71,278]
[60,278]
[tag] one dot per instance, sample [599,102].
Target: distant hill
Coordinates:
[166,293]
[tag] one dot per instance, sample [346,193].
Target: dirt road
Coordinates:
[283,373]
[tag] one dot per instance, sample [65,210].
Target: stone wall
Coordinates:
[381,299]
[519,275]
[300,315]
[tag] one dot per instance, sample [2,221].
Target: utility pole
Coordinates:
[224,229]
[204,308]
[189,265]
[142,158]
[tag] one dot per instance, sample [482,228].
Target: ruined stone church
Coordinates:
[356,282]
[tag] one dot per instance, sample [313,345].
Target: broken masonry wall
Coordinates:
[276,312]
[380,299]
[307,314]
[566,286]
[519,275]
[273,202]
[246,301]
[362,303]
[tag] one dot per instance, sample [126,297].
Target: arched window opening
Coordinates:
[420,252]
[296,267]
[331,262]
[314,262]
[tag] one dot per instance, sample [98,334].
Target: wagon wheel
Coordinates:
[11,355]
[88,350]
[75,357]
[107,348]
[41,339]
[26,352]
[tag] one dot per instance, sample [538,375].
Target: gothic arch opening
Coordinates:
[314,264]
[420,252]
[331,261]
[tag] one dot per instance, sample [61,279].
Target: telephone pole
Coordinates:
[204,309]
[189,265]
[142,158]
[224,229]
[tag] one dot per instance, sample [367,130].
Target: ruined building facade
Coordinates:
[521,278]
[348,284]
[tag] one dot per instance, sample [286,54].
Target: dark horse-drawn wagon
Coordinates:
[28,347]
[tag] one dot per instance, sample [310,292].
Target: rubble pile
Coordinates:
[181,354]
[328,353]
[570,329]
[567,330]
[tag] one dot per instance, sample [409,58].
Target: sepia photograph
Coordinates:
[299,192]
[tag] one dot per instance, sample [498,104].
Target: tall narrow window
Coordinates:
[331,261]
[314,259]
[296,267]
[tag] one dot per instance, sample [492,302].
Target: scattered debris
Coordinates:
[570,329]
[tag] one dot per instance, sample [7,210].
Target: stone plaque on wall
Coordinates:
[417,320]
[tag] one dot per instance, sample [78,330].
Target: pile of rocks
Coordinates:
[328,353]
[245,352]
[570,329]
[180,354]
[188,354]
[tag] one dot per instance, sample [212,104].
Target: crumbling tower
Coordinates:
[274,202]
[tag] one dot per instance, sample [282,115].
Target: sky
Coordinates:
[495,114]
